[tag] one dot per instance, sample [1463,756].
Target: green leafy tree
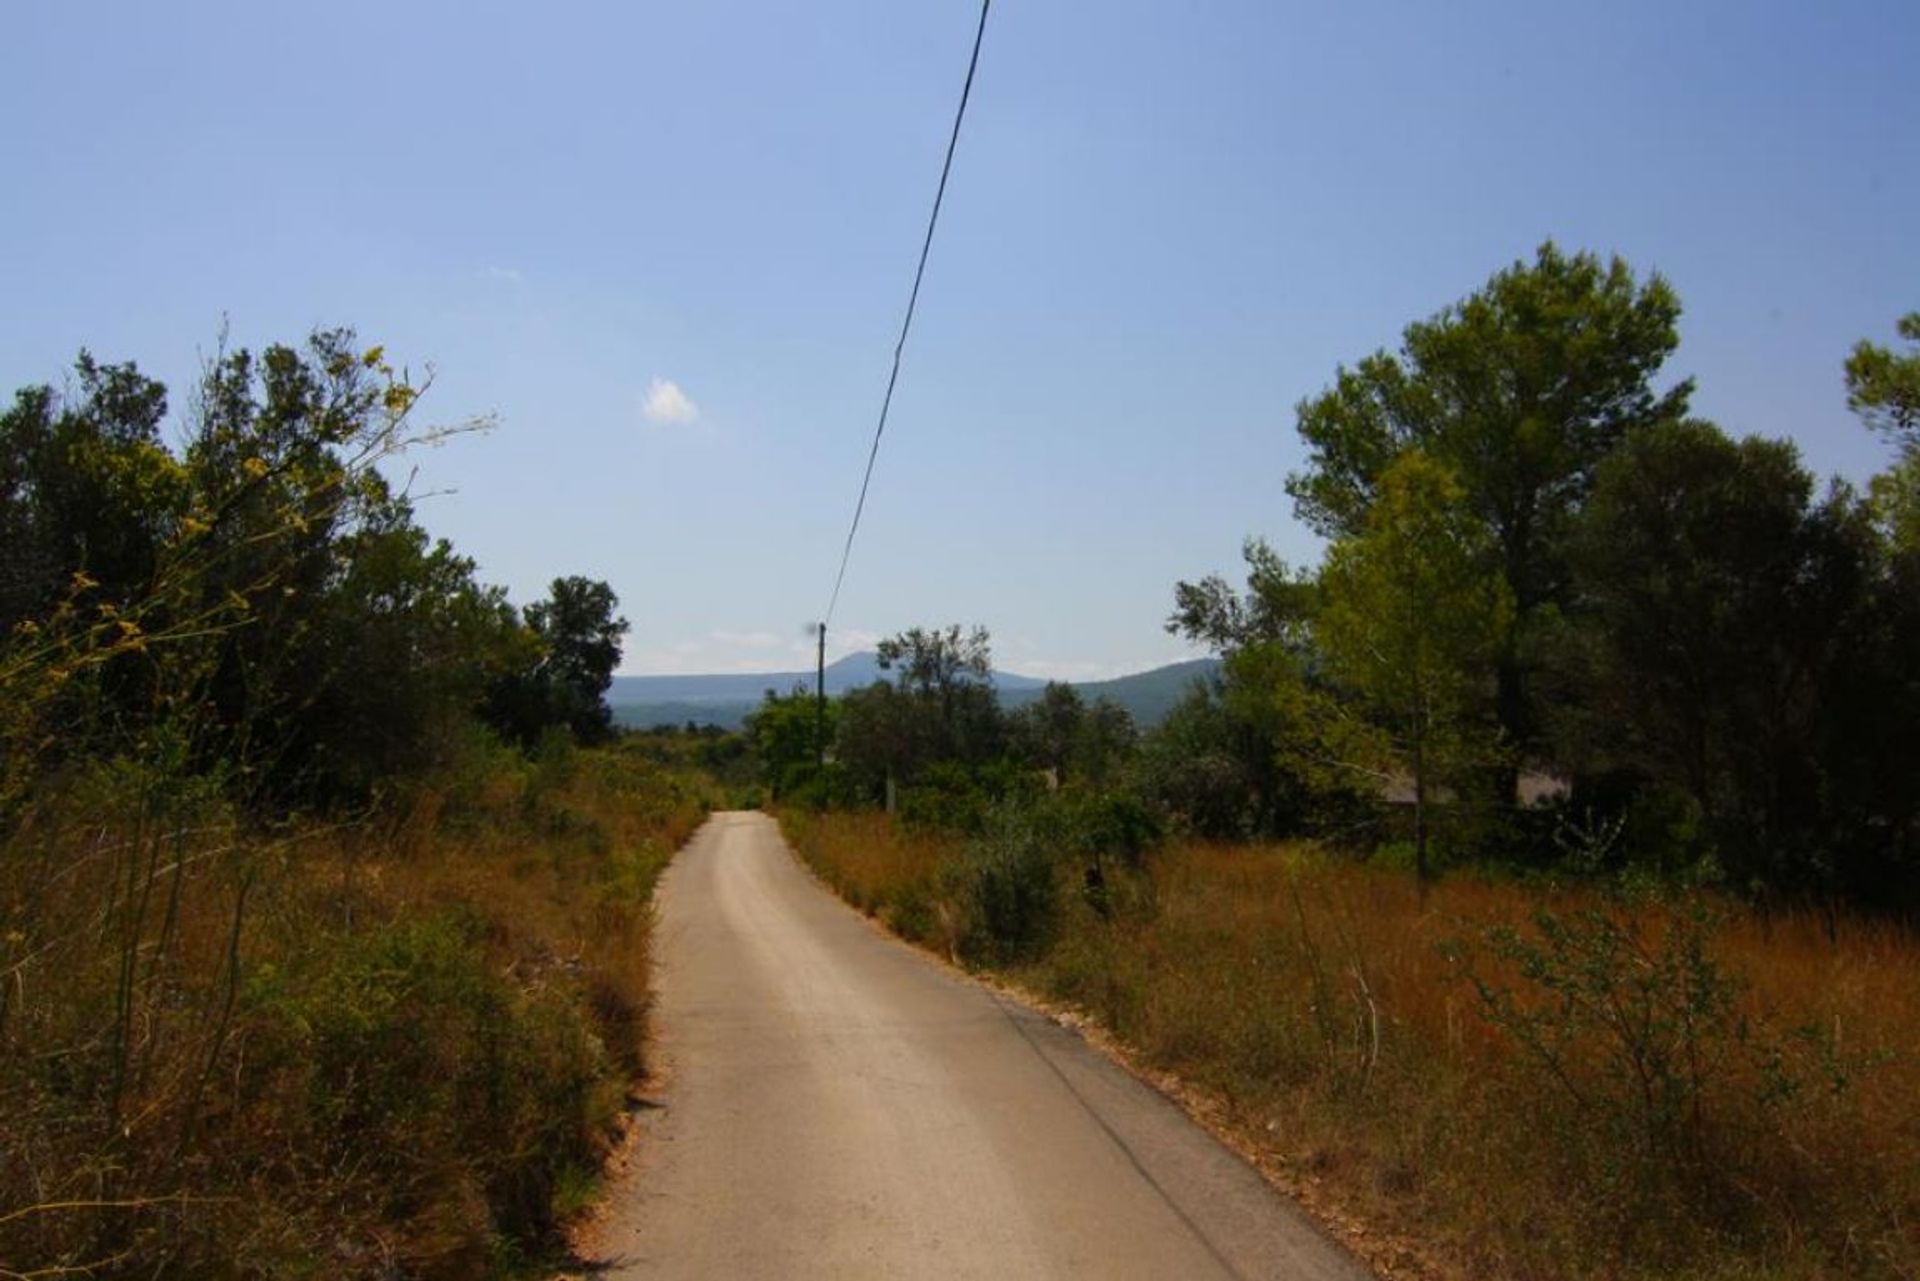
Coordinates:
[86,486]
[1895,495]
[939,665]
[1196,767]
[1219,762]
[785,736]
[882,735]
[1413,610]
[948,676]
[577,640]
[266,576]
[1884,683]
[1077,741]
[582,635]
[1107,739]
[940,709]
[1883,386]
[90,509]
[1047,730]
[280,458]
[1520,390]
[404,647]
[1274,608]
[1721,611]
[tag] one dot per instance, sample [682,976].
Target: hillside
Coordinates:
[726,699]
[1148,696]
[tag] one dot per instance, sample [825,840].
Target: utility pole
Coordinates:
[820,703]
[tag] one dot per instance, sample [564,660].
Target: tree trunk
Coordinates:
[1515,725]
[1420,813]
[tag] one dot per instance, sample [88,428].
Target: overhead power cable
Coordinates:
[906,324]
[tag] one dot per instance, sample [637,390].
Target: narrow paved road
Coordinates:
[838,1105]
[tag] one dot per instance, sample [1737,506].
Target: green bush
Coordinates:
[1113,824]
[813,787]
[951,796]
[1652,1012]
[1008,880]
[1628,1021]
[413,1061]
[913,913]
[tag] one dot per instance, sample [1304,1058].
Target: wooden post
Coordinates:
[820,703]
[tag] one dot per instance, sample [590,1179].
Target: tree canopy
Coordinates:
[1520,389]
[1883,386]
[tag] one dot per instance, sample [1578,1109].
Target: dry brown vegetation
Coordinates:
[396,1046]
[1537,1080]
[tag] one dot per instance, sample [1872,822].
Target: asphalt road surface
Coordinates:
[839,1105]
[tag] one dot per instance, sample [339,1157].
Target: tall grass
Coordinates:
[388,1047]
[1533,1081]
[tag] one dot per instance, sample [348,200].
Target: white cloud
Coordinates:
[507,275]
[666,403]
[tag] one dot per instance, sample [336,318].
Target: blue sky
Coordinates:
[1167,224]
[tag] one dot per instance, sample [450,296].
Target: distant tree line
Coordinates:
[935,723]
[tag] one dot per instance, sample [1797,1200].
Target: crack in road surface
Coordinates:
[839,1105]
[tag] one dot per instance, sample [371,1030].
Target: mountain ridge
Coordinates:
[727,698]
[845,673]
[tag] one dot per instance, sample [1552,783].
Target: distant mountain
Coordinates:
[737,687]
[1148,695]
[843,674]
[727,699]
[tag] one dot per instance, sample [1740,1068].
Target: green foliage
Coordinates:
[1629,1027]
[1200,768]
[1049,728]
[788,735]
[1721,614]
[1413,617]
[411,1048]
[1883,386]
[264,591]
[1218,764]
[1020,846]
[85,486]
[1718,659]
[936,664]
[953,796]
[1061,733]
[1625,1016]
[1276,605]
[239,696]
[565,673]
[1520,390]
[1103,825]
[1412,608]
[1895,498]
[941,708]
[1009,880]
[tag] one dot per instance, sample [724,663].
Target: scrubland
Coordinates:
[1530,1079]
[396,1044]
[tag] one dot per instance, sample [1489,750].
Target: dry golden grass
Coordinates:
[1767,1128]
[391,1047]
[868,858]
